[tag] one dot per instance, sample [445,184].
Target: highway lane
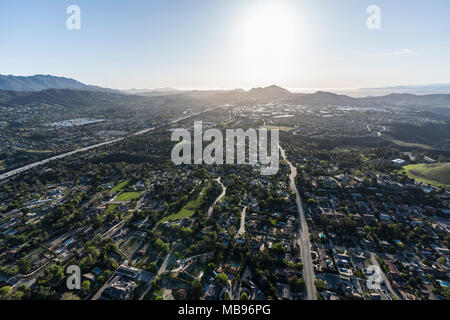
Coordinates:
[63,155]
[14,172]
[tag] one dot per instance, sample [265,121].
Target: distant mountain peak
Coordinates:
[271,92]
[272,88]
[39,82]
[435,88]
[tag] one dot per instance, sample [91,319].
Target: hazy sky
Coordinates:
[228,43]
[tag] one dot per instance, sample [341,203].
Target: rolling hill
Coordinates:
[69,92]
[65,97]
[41,82]
[437,174]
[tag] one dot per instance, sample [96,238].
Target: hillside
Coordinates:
[271,92]
[323,98]
[437,174]
[413,89]
[434,135]
[81,95]
[65,97]
[42,82]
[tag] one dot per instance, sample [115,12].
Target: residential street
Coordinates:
[303,237]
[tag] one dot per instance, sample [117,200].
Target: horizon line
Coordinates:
[292,89]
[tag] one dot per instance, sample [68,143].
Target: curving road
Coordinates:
[242,228]
[303,237]
[224,191]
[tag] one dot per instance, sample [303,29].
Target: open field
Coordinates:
[410,144]
[434,174]
[281,128]
[128,196]
[110,208]
[157,295]
[37,151]
[367,157]
[188,210]
[120,186]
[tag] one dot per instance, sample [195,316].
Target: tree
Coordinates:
[297,284]
[222,279]
[57,272]
[320,284]
[196,291]
[299,266]
[244,296]
[278,248]
[161,246]
[5,293]
[232,230]
[152,267]
[24,266]
[85,286]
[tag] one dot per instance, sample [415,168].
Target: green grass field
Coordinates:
[120,186]
[411,145]
[367,157]
[110,208]
[280,128]
[188,210]
[128,196]
[437,174]
[157,295]
[38,151]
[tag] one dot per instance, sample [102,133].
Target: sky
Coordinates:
[224,44]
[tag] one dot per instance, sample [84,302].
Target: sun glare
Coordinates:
[269,37]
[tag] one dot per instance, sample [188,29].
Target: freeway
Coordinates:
[63,155]
[303,239]
[190,115]
[14,172]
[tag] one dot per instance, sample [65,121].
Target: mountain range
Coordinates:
[437,87]
[426,89]
[41,82]
[70,93]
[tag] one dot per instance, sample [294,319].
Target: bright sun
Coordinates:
[269,36]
